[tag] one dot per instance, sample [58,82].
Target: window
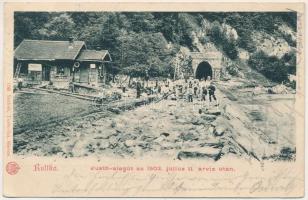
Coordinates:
[60,70]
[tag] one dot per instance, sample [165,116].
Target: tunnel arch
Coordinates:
[203,70]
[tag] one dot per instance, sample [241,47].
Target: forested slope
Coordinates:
[265,41]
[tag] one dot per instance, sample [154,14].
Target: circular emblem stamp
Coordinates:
[12,168]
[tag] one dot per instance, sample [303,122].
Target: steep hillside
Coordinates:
[264,42]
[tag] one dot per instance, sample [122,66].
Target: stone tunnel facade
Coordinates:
[212,59]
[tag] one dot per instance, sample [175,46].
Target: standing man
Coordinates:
[212,89]
[72,87]
[195,88]
[147,77]
[204,93]
[138,88]
[190,85]
[19,83]
[190,92]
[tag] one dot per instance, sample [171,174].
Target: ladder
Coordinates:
[17,70]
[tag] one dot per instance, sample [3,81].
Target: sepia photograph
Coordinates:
[180,85]
[153,99]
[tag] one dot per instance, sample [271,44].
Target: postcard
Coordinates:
[153,99]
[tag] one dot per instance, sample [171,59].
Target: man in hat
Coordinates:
[212,89]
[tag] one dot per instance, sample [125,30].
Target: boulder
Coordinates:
[167,145]
[197,121]
[221,126]
[208,117]
[114,110]
[219,130]
[219,121]
[113,124]
[188,136]
[147,138]
[144,145]
[113,142]
[210,150]
[165,134]
[130,143]
[211,129]
[53,150]
[128,136]
[159,139]
[198,155]
[81,126]
[181,121]
[200,130]
[213,112]
[67,128]
[103,144]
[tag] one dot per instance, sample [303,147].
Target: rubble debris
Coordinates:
[188,136]
[103,144]
[220,130]
[173,129]
[114,110]
[208,117]
[200,154]
[165,134]
[130,143]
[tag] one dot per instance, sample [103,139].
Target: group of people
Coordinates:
[200,89]
[189,89]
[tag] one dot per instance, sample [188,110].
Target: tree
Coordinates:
[271,67]
[167,24]
[141,21]
[216,33]
[27,25]
[59,27]
[230,49]
[149,53]
[246,43]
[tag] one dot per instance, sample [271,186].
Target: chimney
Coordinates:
[71,41]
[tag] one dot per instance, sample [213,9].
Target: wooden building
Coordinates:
[60,62]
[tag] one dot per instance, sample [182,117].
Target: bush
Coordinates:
[220,39]
[289,40]
[216,33]
[232,70]
[271,67]
[246,43]
[230,50]
[292,84]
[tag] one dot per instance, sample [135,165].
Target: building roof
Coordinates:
[48,50]
[94,55]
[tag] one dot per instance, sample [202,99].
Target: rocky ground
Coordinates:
[240,126]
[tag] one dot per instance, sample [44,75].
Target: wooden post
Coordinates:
[104,73]
[73,70]
[17,70]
